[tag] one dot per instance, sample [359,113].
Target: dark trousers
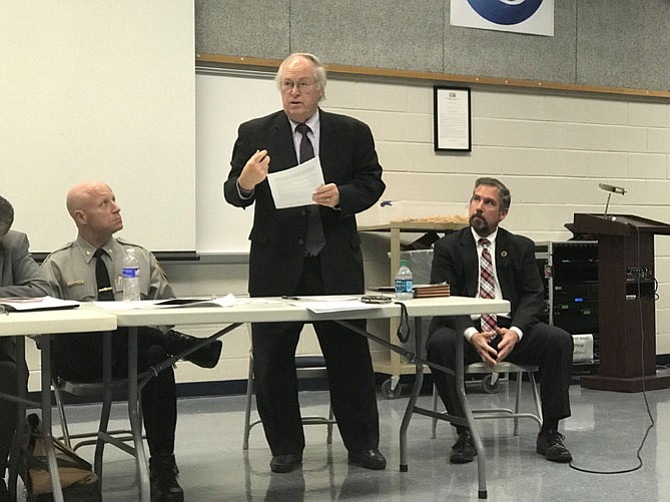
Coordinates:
[548,347]
[350,375]
[8,409]
[78,357]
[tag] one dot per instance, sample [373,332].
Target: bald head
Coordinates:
[92,205]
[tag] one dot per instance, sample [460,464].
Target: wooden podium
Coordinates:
[626,301]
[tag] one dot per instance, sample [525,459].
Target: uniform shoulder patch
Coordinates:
[126,243]
[60,249]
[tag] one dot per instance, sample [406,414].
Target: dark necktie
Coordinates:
[105,291]
[314,238]
[487,287]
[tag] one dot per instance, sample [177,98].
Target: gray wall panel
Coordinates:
[488,53]
[617,43]
[242,28]
[377,33]
[624,43]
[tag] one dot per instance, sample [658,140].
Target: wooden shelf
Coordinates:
[393,365]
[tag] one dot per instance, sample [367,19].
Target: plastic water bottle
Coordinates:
[404,285]
[131,276]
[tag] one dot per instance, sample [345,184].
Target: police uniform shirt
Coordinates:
[71,271]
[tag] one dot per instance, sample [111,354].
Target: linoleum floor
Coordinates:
[603,434]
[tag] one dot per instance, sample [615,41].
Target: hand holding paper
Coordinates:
[295,187]
[327,195]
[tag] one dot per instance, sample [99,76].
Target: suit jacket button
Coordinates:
[301,241]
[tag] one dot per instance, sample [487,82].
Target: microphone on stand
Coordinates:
[610,189]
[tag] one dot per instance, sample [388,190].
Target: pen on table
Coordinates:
[286,297]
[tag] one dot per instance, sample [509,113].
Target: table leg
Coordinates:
[469,418]
[45,346]
[106,403]
[135,417]
[414,396]
[15,455]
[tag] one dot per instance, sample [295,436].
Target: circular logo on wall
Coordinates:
[505,11]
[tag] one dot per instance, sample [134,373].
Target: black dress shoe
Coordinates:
[464,450]
[368,459]
[285,463]
[205,357]
[163,476]
[550,444]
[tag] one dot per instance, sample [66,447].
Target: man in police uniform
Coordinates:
[19,276]
[71,272]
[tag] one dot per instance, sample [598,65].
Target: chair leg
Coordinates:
[329,437]
[247,409]
[517,400]
[536,397]
[58,396]
[433,429]
[102,428]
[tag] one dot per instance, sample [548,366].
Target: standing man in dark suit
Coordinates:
[461,260]
[19,276]
[308,250]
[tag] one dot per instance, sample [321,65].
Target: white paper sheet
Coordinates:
[294,187]
[23,304]
[326,304]
[225,301]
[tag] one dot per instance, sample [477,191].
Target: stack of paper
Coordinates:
[25,304]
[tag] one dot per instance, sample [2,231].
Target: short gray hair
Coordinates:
[319,71]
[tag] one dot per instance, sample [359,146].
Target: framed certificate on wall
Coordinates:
[451,119]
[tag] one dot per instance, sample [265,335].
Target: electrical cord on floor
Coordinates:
[640,463]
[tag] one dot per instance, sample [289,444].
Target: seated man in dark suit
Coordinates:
[19,276]
[486,261]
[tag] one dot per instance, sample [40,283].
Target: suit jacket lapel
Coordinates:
[502,259]
[328,150]
[283,152]
[470,262]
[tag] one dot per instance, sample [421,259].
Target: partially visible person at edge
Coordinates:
[486,261]
[19,276]
[71,272]
[309,250]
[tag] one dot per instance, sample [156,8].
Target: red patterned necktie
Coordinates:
[487,287]
[314,238]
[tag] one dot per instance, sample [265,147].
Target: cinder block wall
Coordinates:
[552,150]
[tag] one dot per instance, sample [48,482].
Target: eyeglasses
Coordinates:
[303,85]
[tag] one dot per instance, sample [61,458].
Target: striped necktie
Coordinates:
[314,237]
[487,287]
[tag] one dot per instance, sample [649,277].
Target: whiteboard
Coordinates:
[99,90]
[224,99]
